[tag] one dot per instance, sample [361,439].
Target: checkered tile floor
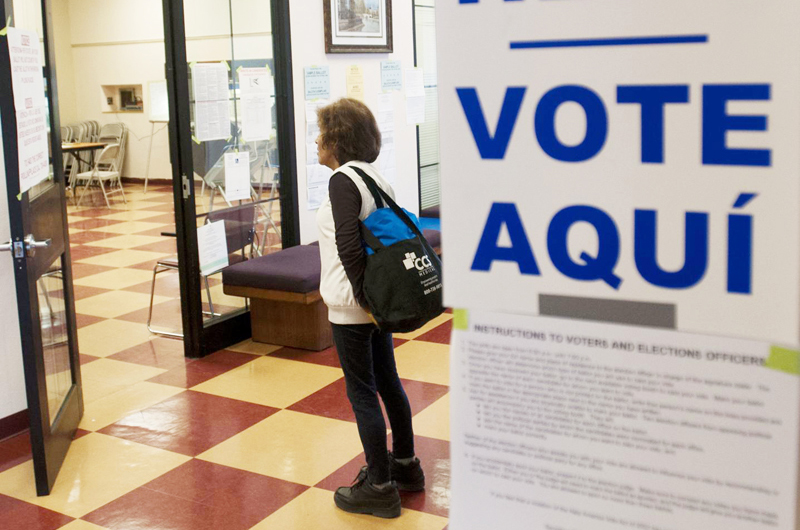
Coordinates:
[254,436]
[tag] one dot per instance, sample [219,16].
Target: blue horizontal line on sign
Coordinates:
[611,41]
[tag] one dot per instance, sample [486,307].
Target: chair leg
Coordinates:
[85,189]
[121,190]
[208,293]
[105,195]
[156,272]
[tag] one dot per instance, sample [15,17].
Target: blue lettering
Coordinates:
[717,122]
[596,123]
[520,250]
[488,146]
[695,250]
[652,100]
[740,248]
[600,267]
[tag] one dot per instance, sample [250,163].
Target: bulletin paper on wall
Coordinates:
[25,55]
[212,115]
[318,82]
[255,86]
[317,175]
[355,82]
[391,76]
[212,246]
[603,427]
[387,160]
[415,96]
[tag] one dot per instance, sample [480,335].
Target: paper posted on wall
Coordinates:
[581,425]
[212,114]
[255,85]
[387,161]
[212,247]
[237,176]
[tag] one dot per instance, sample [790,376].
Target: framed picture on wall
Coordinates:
[358,26]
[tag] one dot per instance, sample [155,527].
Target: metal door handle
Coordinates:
[15,246]
[6,247]
[31,243]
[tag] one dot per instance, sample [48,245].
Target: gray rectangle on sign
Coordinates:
[616,311]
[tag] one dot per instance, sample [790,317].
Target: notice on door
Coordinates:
[567,425]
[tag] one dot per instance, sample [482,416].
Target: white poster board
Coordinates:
[690,148]
[237,176]
[159,101]
[212,246]
[25,55]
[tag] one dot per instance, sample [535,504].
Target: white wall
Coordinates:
[12,376]
[308,48]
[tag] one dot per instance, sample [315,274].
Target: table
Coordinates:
[75,149]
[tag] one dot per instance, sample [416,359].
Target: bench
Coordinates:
[285,304]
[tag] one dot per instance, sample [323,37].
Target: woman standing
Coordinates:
[349,137]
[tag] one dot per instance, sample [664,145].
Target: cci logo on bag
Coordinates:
[412,261]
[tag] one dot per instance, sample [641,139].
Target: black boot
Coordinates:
[409,477]
[364,497]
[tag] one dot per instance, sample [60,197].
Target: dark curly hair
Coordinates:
[350,131]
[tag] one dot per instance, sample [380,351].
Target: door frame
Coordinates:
[200,340]
[50,440]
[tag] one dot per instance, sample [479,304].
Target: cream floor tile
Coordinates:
[128,241]
[424,361]
[106,377]
[131,227]
[111,336]
[97,470]
[255,348]
[115,279]
[271,382]
[434,420]
[115,303]
[300,448]
[123,258]
[105,411]
[137,202]
[314,508]
[132,215]
[436,322]
[79,524]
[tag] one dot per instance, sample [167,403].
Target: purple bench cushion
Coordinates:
[433,212]
[295,269]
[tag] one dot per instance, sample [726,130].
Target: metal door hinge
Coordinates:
[186,188]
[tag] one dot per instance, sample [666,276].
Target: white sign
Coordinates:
[212,247]
[212,113]
[27,76]
[210,82]
[255,85]
[237,176]
[34,159]
[624,150]
[159,101]
[608,427]
[318,82]
[391,76]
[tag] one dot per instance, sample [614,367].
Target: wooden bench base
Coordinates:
[287,319]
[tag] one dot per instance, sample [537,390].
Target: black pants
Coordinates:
[367,358]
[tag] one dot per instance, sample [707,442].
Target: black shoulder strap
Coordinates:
[374,189]
[375,195]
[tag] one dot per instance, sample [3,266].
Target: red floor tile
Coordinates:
[83,291]
[398,342]
[93,224]
[434,456]
[158,352]
[249,494]
[439,334]
[166,315]
[80,433]
[147,265]
[80,252]
[81,238]
[93,212]
[86,359]
[189,423]
[202,370]
[327,357]
[332,401]
[14,451]
[87,320]
[81,270]
[19,514]
[167,284]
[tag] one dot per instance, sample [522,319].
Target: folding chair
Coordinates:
[106,159]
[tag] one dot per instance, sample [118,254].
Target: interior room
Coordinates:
[244,433]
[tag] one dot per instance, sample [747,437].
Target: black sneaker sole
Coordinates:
[389,512]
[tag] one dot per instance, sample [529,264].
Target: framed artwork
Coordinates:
[358,26]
